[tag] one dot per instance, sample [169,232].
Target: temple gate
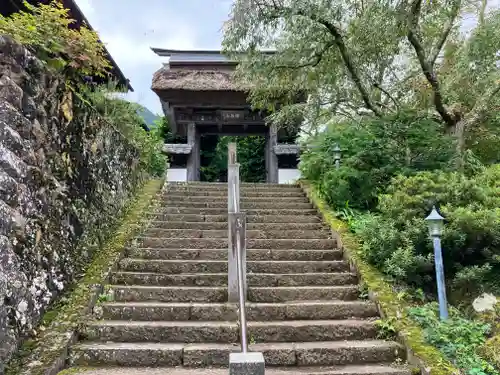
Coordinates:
[199,96]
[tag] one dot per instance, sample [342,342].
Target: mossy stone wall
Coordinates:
[65,174]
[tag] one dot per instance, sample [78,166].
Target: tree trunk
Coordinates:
[459,131]
[482,11]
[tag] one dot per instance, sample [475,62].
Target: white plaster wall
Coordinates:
[176,174]
[288,176]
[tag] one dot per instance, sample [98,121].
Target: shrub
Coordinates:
[46,29]
[491,350]
[125,117]
[396,239]
[375,150]
[459,339]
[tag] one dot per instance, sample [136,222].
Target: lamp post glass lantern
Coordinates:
[337,155]
[436,223]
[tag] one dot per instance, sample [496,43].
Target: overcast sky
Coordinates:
[130,27]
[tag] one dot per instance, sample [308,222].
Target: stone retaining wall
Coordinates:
[65,175]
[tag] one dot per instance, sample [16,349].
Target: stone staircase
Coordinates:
[169,309]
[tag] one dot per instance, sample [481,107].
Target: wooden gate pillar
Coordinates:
[193,164]
[271,157]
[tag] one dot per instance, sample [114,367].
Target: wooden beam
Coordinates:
[193,167]
[272,161]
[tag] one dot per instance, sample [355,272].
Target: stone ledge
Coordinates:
[176,148]
[48,353]
[286,149]
[420,354]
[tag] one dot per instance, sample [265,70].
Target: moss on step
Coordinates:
[491,351]
[491,348]
[46,353]
[426,357]
[75,371]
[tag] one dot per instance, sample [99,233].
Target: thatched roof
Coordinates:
[195,80]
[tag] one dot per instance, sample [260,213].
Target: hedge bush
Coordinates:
[458,338]
[374,151]
[396,238]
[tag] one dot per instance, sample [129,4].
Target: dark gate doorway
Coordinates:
[251,156]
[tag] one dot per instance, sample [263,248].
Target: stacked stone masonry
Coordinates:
[63,175]
[166,309]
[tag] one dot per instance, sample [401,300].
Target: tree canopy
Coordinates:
[372,57]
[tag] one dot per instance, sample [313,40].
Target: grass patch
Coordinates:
[39,354]
[427,357]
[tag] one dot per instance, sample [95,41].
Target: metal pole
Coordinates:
[438,259]
[241,285]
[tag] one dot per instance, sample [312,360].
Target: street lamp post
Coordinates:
[337,155]
[435,223]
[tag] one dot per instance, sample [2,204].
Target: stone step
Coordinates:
[223,211]
[171,198]
[244,193]
[294,310]
[222,243]
[319,353]
[222,185]
[222,218]
[220,279]
[215,266]
[202,225]
[373,369]
[303,293]
[155,225]
[245,205]
[219,184]
[222,254]
[228,332]
[222,190]
[136,293]
[262,234]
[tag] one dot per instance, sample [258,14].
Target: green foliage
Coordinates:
[150,145]
[124,116]
[46,29]
[106,296]
[386,328]
[250,156]
[214,158]
[353,58]
[165,132]
[77,53]
[396,239]
[374,151]
[459,339]
[491,350]
[391,305]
